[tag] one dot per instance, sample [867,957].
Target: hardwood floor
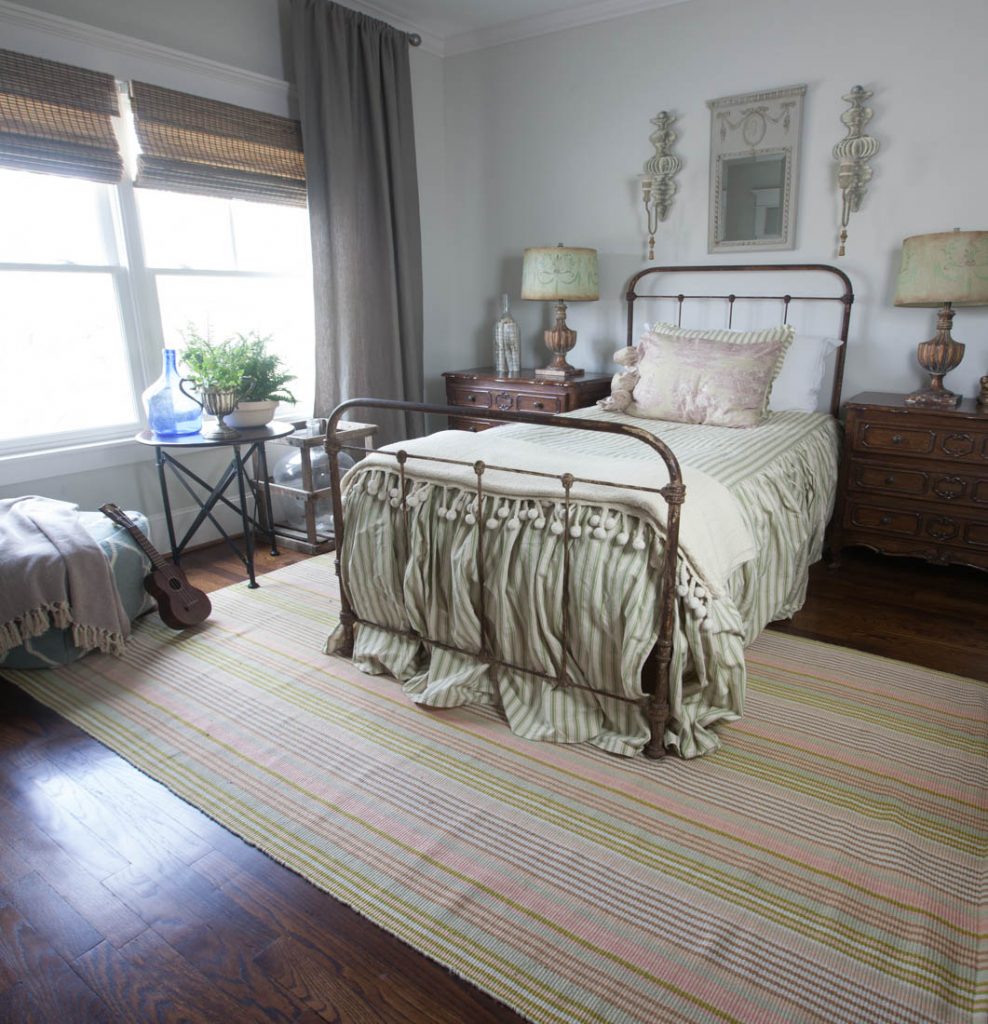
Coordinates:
[900,608]
[120,902]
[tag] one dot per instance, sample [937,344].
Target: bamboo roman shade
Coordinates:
[191,144]
[56,119]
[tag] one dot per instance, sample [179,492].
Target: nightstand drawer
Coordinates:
[891,436]
[883,519]
[539,403]
[472,424]
[867,476]
[474,398]
[931,528]
[885,437]
[937,485]
[523,392]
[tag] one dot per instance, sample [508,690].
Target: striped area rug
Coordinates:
[829,864]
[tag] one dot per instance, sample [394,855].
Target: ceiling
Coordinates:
[449,27]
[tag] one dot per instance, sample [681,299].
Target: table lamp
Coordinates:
[559,274]
[941,271]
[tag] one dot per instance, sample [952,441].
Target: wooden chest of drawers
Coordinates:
[914,480]
[482,388]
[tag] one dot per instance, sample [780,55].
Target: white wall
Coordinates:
[544,139]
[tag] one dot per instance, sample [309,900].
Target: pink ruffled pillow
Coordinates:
[700,380]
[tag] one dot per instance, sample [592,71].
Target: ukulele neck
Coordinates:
[158,561]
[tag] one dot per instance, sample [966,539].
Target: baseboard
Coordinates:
[183,518]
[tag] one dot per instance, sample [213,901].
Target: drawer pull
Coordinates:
[471,398]
[897,439]
[889,480]
[539,405]
[885,520]
[949,487]
[942,529]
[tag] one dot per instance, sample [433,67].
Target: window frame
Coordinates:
[136,291]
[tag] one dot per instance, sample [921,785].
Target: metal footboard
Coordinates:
[657,666]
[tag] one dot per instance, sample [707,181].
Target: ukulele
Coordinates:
[180,604]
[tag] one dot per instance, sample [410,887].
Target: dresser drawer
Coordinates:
[540,403]
[869,476]
[472,424]
[936,484]
[891,436]
[928,527]
[474,398]
[884,437]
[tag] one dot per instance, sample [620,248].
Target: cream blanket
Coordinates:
[53,574]
[713,537]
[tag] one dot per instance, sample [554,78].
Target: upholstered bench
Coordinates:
[128,565]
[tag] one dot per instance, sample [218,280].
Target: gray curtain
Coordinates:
[351,72]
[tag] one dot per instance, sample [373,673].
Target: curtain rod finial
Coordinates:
[414,39]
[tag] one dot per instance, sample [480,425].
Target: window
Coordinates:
[84,319]
[67,367]
[231,266]
[96,278]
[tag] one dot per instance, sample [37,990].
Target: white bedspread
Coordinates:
[715,543]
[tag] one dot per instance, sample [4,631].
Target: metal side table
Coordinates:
[249,442]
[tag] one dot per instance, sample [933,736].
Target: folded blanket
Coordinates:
[54,574]
[713,535]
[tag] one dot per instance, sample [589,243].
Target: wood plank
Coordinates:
[52,917]
[348,950]
[146,980]
[68,875]
[47,989]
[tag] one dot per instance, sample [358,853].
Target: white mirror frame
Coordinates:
[755,125]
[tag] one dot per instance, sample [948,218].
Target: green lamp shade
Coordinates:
[560,274]
[950,266]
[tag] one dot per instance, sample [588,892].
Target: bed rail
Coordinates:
[657,687]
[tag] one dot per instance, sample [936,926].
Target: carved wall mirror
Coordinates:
[754,165]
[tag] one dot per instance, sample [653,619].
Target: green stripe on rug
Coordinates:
[829,863]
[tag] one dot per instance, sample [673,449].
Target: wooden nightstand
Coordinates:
[914,480]
[482,388]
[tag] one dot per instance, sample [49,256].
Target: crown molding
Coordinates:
[431,43]
[542,24]
[57,38]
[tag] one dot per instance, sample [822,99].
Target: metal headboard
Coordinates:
[846,298]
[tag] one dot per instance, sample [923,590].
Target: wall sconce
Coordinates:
[853,153]
[658,186]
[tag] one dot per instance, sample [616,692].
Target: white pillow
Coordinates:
[801,377]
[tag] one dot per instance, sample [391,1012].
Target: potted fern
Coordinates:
[264,379]
[240,364]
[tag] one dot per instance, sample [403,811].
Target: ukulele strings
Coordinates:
[188,592]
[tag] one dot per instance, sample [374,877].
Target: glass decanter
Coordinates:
[170,412]
[506,341]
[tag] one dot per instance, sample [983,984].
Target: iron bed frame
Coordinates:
[655,682]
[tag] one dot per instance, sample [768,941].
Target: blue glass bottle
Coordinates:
[169,412]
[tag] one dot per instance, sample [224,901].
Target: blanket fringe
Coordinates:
[512,513]
[58,615]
